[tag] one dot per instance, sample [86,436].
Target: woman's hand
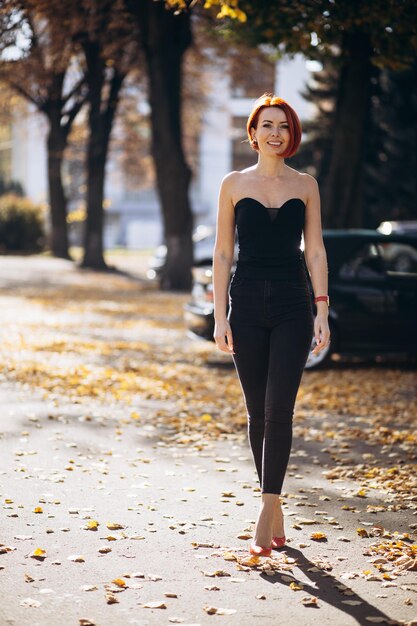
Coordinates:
[222,331]
[321,332]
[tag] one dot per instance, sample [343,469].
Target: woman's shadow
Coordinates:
[325,589]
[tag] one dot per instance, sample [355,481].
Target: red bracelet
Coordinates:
[325,298]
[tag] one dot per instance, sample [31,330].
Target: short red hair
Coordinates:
[269,100]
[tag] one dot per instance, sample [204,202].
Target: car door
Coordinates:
[360,296]
[400,261]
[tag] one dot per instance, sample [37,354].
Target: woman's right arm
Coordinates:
[222,262]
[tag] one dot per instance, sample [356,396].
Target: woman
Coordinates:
[270,324]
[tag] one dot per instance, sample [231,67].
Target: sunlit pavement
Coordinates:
[127,485]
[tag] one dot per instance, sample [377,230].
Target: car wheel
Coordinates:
[322,359]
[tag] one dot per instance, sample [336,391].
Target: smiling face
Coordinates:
[272,131]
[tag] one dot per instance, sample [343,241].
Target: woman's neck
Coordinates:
[270,167]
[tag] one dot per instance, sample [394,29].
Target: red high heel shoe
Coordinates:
[278,542]
[259,550]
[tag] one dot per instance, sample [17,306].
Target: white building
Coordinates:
[137,223]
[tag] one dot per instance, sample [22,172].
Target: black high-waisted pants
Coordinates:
[272,324]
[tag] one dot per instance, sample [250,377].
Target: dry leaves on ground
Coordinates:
[119,343]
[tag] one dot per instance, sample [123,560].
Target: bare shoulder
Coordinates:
[248,170]
[238,176]
[230,181]
[306,181]
[228,178]
[234,181]
[227,191]
[309,182]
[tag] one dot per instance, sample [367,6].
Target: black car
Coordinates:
[372,289]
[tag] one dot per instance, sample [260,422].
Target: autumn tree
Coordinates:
[96,38]
[102,30]
[389,160]
[37,61]
[164,37]
[131,143]
[359,35]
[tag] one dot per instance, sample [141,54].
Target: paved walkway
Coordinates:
[108,513]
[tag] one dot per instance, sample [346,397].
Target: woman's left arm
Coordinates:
[316,261]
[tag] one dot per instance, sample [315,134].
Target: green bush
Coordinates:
[21,225]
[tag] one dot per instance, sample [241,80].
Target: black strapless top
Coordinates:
[269,239]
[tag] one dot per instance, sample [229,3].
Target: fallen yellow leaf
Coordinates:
[295,586]
[319,536]
[39,554]
[114,526]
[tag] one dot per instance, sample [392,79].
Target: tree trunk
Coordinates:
[343,188]
[94,226]
[101,117]
[56,144]
[165,38]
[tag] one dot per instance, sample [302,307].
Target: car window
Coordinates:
[399,258]
[364,263]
